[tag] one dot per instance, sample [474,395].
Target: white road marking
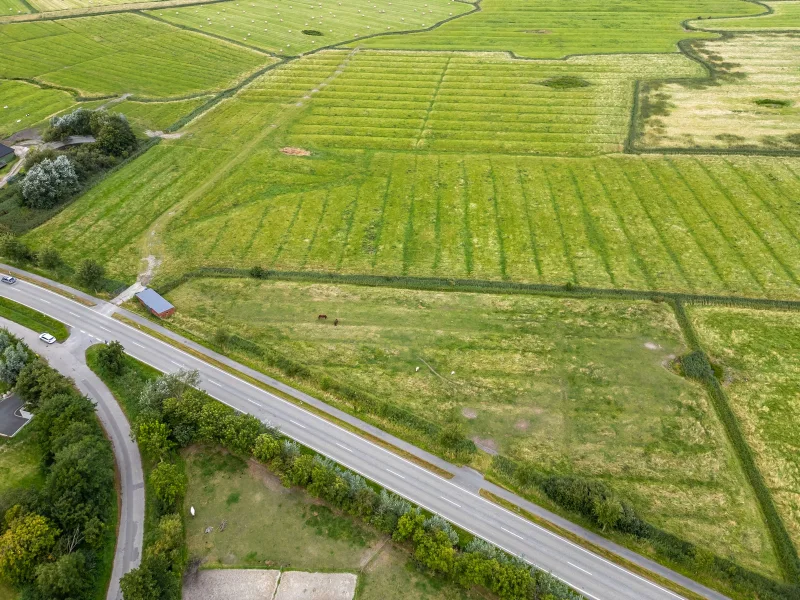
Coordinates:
[177,363]
[73,314]
[396,474]
[45,301]
[136,344]
[450,501]
[252,402]
[345,447]
[300,425]
[214,382]
[82,331]
[577,567]
[512,533]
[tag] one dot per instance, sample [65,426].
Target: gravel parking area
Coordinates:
[232,584]
[297,585]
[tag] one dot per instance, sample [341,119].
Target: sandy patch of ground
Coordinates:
[231,584]
[652,346]
[469,413]
[297,585]
[262,474]
[162,135]
[295,151]
[522,425]
[488,445]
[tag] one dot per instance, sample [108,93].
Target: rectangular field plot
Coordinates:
[759,352]
[696,224]
[554,28]
[23,104]
[579,387]
[753,103]
[480,103]
[157,115]
[278,27]
[54,5]
[113,54]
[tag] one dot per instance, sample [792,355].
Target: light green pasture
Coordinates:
[278,25]
[785,15]
[554,28]
[118,53]
[24,104]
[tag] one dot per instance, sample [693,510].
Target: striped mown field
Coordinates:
[118,53]
[454,102]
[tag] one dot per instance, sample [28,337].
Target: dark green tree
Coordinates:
[169,485]
[111,358]
[65,578]
[90,273]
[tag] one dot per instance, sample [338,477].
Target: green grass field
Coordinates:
[574,386]
[760,354]
[279,27]
[115,54]
[554,29]
[785,15]
[157,115]
[32,319]
[23,105]
[53,5]
[13,7]
[19,462]
[269,526]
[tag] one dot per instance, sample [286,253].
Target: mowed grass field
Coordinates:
[471,103]
[12,7]
[760,354]
[785,15]
[278,25]
[753,103]
[24,104]
[554,29]
[269,526]
[579,387]
[119,53]
[54,5]
[222,195]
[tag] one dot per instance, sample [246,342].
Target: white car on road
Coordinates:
[47,338]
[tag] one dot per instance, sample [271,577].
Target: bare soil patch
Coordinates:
[486,444]
[469,413]
[295,151]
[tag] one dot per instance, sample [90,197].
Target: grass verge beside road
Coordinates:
[32,319]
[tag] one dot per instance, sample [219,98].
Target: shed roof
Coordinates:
[5,150]
[154,301]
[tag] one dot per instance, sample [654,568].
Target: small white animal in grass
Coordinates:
[191,510]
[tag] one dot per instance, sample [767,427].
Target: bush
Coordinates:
[90,273]
[111,358]
[257,272]
[49,182]
[50,258]
[14,249]
[113,133]
[169,485]
[695,365]
[75,123]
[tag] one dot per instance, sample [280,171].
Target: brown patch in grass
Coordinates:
[469,413]
[488,445]
[295,151]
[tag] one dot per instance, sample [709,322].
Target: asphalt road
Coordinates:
[591,575]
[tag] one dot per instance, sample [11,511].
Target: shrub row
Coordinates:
[54,537]
[171,413]
[481,286]
[589,499]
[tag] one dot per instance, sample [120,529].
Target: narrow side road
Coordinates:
[69,359]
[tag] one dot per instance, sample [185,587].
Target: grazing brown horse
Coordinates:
[320,317]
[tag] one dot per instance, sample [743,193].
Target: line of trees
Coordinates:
[51,537]
[171,413]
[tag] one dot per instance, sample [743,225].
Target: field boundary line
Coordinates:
[432,102]
[568,290]
[92,11]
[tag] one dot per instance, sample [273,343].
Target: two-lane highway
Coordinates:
[591,575]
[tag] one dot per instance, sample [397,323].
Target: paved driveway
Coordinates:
[10,419]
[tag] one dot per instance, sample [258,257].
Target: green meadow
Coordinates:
[122,53]
[576,387]
[24,104]
[297,27]
[759,352]
[785,14]
[554,29]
